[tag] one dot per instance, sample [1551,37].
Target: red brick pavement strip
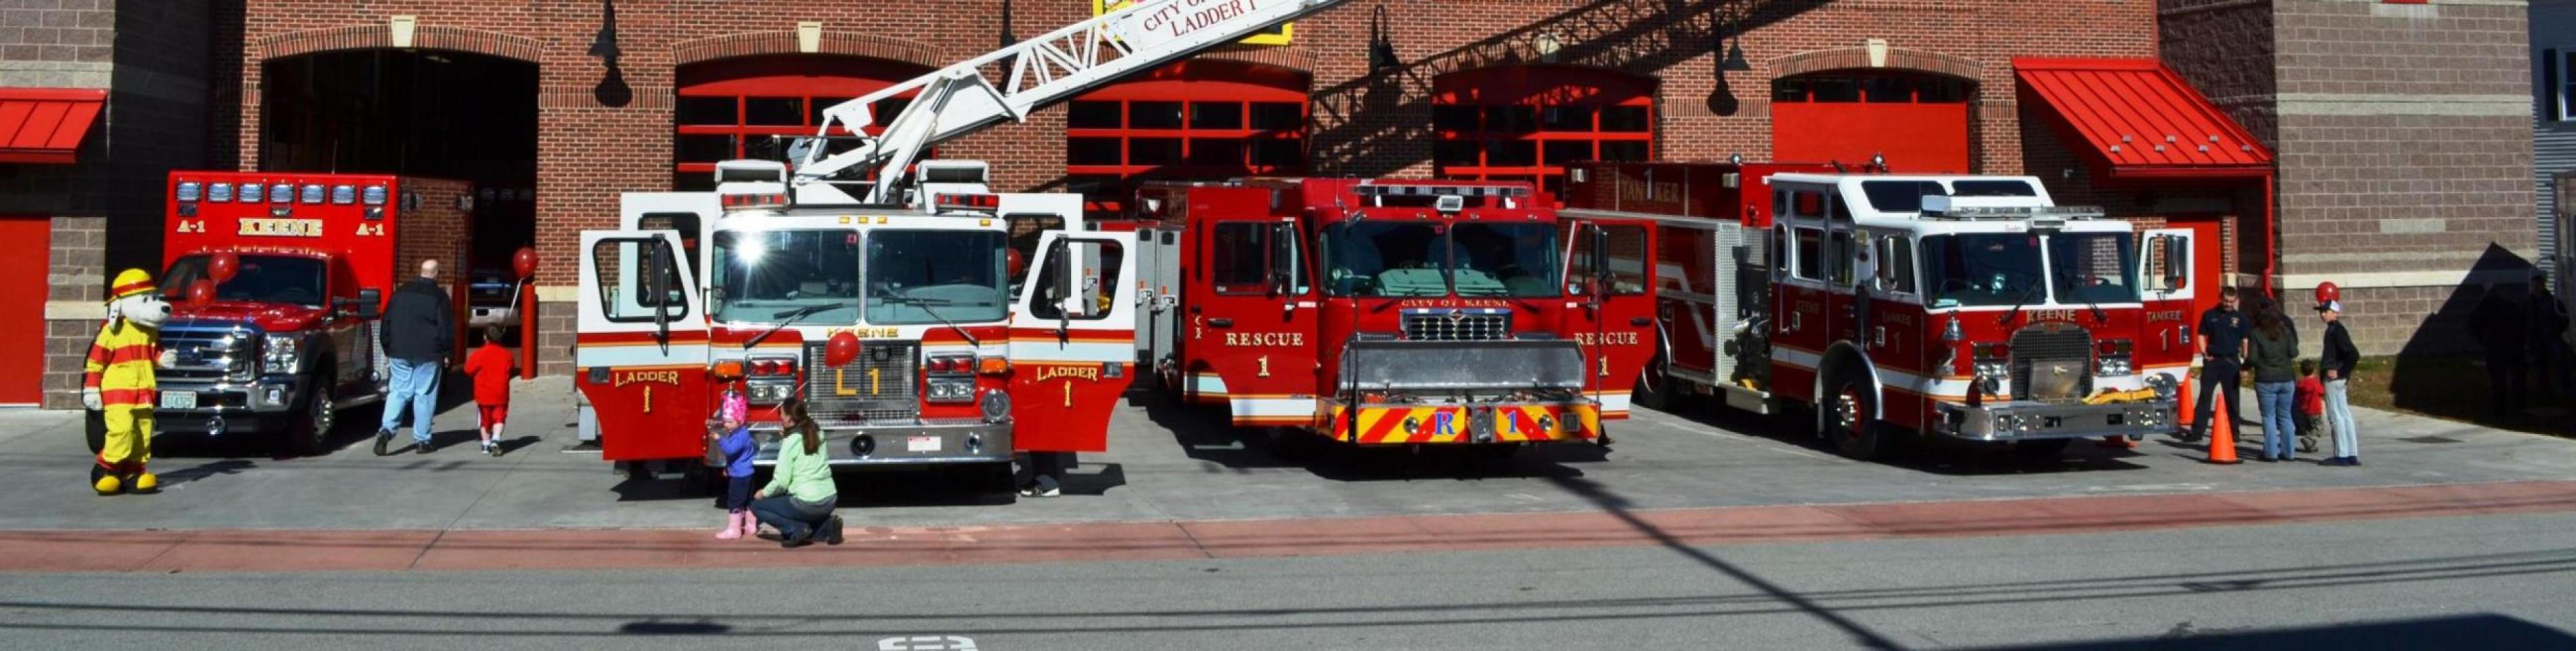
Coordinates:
[287,551]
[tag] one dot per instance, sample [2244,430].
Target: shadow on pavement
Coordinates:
[1917,453]
[2489,631]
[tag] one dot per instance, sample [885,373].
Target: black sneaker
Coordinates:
[384,437]
[420,448]
[802,537]
[832,531]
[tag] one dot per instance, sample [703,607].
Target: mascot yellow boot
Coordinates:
[119,383]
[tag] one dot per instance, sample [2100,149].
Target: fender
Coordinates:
[1663,351]
[1846,353]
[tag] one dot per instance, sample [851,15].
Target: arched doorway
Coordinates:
[1202,119]
[434,113]
[731,108]
[1525,123]
[1919,121]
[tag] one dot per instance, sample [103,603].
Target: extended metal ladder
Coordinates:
[968,95]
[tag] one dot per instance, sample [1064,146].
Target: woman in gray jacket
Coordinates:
[2272,350]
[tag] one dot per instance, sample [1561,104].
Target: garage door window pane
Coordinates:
[1623,151]
[703,149]
[1091,151]
[1216,151]
[1154,151]
[1457,118]
[1290,155]
[706,111]
[1511,119]
[1092,115]
[1216,115]
[1625,119]
[1154,115]
[1511,153]
[1566,118]
[1560,153]
[1278,116]
[773,111]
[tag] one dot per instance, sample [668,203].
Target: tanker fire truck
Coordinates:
[290,339]
[1386,313]
[1964,307]
[856,238]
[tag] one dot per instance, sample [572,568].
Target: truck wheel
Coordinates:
[310,433]
[1847,422]
[2042,449]
[1655,387]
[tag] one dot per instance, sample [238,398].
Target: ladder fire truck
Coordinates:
[1390,313]
[746,287]
[1967,307]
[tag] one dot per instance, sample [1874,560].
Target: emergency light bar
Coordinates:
[1375,190]
[1978,208]
[984,203]
[751,184]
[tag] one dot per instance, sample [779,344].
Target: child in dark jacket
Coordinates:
[2312,405]
[732,438]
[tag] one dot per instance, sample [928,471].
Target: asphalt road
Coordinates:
[1178,465]
[2491,582]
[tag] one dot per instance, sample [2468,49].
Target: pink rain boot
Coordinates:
[750,525]
[733,526]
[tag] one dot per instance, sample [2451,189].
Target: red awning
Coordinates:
[45,125]
[2141,119]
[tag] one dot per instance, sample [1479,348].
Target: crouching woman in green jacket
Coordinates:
[799,498]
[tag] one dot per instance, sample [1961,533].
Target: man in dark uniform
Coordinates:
[2222,349]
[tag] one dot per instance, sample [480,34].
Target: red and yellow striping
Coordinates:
[1454,424]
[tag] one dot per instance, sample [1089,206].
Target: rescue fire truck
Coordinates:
[855,236]
[1380,313]
[290,339]
[1965,307]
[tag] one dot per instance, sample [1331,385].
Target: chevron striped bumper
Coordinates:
[1465,424]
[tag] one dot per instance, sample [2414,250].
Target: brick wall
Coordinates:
[78,281]
[1364,124]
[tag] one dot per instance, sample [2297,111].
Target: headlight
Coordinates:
[997,406]
[281,354]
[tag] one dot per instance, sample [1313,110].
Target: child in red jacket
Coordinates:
[491,368]
[2311,401]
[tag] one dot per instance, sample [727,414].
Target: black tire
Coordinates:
[1846,408]
[2042,449]
[1654,386]
[639,470]
[1287,443]
[308,432]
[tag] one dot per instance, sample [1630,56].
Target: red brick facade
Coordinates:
[1362,123]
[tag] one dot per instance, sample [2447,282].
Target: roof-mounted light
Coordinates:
[982,203]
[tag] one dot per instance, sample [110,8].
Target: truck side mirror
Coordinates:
[369,303]
[1283,259]
[1599,259]
[2177,257]
[1059,274]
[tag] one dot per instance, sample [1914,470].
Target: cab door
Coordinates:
[2168,271]
[1251,320]
[1073,342]
[1614,316]
[640,351]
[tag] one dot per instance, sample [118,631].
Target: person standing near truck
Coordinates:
[418,331]
[2338,362]
[2222,350]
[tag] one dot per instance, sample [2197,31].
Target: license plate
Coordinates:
[921,444]
[178,400]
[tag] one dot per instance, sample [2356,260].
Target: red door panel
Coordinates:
[1617,332]
[22,311]
[1913,137]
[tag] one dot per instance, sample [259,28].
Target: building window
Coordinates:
[1868,88]
[1526,123]
[1195,120]
[747,107]
[2558,78]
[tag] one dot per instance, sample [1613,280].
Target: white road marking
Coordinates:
[927,643]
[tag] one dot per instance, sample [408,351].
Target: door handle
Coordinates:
[1221,322]
[1641,321]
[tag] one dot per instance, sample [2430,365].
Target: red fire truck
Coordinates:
[1376,312]
[1969,307]
[290,339]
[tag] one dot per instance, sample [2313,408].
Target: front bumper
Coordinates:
[1466,424]
[928,442]
[227,407]
[2030,421]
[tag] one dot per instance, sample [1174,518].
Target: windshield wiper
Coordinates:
[925,304]
[2098,317]
[2026,295]
[790,318]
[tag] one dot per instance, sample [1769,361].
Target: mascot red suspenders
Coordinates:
[119,382]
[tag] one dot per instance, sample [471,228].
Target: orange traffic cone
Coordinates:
[2222,432]
[2182,416]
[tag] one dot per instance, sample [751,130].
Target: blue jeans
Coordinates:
[414,384]
[791,516]
[2279,423]
[2339,418]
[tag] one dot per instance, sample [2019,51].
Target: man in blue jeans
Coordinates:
[418,332]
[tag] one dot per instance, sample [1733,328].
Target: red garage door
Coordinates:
[730,108]
[1525,123]
[22,311]
[1203,119]
[1919,122]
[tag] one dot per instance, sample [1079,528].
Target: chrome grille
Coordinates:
[1482,324]
[2052,362]
[213,351]
[850,393]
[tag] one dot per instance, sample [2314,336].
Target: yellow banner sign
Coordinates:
[1279,35]
[265,227]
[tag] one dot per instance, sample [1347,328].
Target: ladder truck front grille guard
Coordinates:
[2052,363]
[1010,82]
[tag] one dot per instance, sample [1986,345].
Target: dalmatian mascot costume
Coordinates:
[119,383]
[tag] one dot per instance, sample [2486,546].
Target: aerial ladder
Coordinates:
[1009,83]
